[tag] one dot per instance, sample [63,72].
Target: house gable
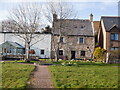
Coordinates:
[9,44]
[110,22]
[114,28]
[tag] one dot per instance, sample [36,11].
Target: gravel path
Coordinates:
[41,77]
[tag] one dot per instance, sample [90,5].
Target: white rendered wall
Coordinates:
[42,41]
[1,38]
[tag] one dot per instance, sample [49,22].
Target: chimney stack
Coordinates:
[91,17]
[54,17]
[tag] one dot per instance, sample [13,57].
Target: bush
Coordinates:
[100,54]
[114,56]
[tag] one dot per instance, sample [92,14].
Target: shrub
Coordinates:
[100,54]
[114,56]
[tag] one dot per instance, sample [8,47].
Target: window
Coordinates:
[114,36]
[42,52]
[61,39]
[81,40]
[4,50]
[60,52]
[82,53]
[114,48]
[83,27]
[10,50]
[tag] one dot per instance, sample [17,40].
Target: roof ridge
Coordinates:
[114,25]
[110,16]
[76,19]
[14,43]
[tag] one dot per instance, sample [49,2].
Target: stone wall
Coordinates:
[71,43]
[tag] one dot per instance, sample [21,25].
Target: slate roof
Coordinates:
[74,27]
[14,44]
[110,21]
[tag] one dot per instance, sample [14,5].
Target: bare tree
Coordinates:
[26,21]
[61,11]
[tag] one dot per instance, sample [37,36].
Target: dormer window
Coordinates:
[83,27]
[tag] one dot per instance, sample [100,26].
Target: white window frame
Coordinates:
[114,48]
[113,38]
[79,40]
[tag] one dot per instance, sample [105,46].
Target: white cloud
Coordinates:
[4,14]
[80,6]
[16,1]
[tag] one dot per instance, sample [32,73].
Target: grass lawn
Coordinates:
[15,75]
[85,76]
[23,61]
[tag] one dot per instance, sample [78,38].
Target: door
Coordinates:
[72,54]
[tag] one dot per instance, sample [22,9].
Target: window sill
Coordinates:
[62,42]
[82,43]
[115,40]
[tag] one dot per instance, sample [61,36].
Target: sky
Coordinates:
[83,7]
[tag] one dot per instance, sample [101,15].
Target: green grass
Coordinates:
[23,61]
[85,76]
[0,75]
[15,75]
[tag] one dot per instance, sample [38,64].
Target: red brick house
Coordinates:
[109,34]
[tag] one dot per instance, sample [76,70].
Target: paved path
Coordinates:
[41,78]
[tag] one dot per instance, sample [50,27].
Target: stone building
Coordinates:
[74,36]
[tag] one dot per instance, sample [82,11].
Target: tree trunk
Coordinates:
[56,56]
[107,57]
[27,51]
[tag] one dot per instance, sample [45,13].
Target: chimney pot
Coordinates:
[91,17]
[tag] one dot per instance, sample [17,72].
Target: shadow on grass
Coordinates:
[78,63]
[87,63]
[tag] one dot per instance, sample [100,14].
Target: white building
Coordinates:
[41,44]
